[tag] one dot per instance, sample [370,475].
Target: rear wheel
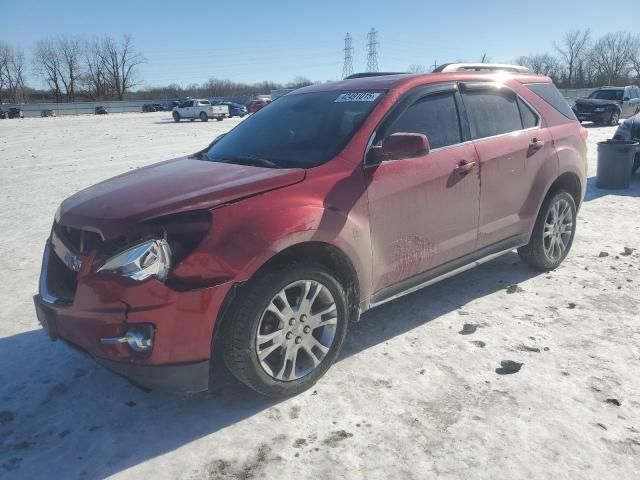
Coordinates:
[286,330]
[219,119]
[176,117]
[204,117]
[553,232]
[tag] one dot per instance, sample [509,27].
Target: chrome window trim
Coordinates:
[466,142]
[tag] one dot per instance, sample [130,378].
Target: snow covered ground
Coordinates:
[411,397]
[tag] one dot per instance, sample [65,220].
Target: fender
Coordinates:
[247,234]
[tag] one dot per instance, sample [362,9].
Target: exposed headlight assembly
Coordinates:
[148,259]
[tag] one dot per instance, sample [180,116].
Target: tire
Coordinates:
[204,117]
[272,376]
[615,118]
[540,252]
[219,119]
[176,117]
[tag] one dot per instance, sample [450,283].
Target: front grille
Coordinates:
[61,280]
[81,241]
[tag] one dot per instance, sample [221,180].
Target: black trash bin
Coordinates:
[615,163]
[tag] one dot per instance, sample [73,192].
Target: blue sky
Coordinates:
[250,40]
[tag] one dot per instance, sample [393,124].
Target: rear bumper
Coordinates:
[105,306]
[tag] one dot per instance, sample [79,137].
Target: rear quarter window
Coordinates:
[550,94]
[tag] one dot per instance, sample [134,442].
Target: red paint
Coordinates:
[392,221]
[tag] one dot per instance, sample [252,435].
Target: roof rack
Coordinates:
[480,67]
[373,74]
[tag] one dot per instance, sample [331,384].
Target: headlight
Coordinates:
[148,259]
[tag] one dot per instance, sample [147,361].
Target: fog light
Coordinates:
[139,337]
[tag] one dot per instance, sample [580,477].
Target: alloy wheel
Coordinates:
[296,330]
[558,230]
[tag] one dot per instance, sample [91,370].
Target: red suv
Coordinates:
[257,105]
[337,198]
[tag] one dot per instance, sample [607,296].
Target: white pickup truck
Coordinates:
[197,108]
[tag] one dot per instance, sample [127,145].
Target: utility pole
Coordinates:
[435,65]
[347,69]
[372,51]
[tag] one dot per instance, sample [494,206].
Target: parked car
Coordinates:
[100,110]
[147,107]
[235,109]
[47,112]
[14,112]
[3,114]
[629,130]
[607,105]
[199,109]
[256,105]
[158,107]
[339,197]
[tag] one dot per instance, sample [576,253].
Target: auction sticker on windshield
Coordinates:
[357,97]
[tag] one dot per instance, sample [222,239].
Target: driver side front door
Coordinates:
[423,210]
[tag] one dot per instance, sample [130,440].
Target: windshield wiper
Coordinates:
[247,160]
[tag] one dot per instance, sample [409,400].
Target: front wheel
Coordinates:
[615,118]
[553,232]
[176,117]
[286,329]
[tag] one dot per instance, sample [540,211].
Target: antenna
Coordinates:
[372,51]
[347,69]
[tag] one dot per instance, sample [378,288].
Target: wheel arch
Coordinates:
[570,182]
[326,254]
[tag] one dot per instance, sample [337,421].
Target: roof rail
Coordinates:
[373,74]
[480,67]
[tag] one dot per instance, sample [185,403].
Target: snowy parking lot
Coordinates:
[420,389]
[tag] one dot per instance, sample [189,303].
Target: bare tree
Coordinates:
[417,68]
[46,63]
[69,51]
[299,82]
[121,62]
[95,78]
[613,56]
[12,74]
[572,50]
[635,58]
[542,64]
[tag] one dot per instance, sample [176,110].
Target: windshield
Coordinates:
[301,130]
[607,95]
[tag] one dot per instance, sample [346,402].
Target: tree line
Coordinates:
[77,68]
[581,61]
[72,68]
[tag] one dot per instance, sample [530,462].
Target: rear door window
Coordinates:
[492,112]
[435,116]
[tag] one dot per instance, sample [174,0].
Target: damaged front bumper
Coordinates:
[84,308]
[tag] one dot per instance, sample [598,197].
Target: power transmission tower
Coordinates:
[372,51]
[347,69]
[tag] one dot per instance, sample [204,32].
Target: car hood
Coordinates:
[165,188]
[594,102]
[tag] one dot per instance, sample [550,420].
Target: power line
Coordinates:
[347,68]
[372,51]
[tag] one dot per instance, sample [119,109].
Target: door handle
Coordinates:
[536,144]
[464,167]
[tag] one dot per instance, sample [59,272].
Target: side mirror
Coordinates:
[398,146]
